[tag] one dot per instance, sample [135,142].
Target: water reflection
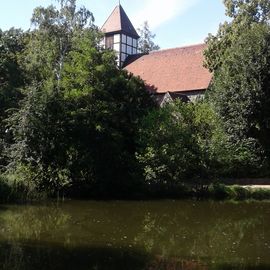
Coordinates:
[166,235]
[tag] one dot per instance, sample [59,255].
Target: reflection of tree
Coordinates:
[32,223]
[22,227]
[176,264]
[213,232]
[152,235]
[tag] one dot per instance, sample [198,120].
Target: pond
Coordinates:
[152,235]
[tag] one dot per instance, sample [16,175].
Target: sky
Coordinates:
[175,22]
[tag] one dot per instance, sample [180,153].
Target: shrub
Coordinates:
[260,194]
[5,190]
[181,144]
[241,193]
[220,191]
[13,188]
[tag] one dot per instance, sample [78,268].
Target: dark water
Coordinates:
[182,235]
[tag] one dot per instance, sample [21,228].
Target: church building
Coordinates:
[168,74]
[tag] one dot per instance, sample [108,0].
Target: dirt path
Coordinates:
[257,186]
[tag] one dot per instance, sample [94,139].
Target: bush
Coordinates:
[16,189]
[181,143]
[5,190]
[260,194]
[241,193]
[220,191]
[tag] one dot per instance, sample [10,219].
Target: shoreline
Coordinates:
[216,192]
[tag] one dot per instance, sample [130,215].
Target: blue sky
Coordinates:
[175,22]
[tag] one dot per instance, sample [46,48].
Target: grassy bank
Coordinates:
[12,190]
[236,192]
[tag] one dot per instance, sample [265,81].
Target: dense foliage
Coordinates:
[75,129]
[182,144]
[239,57]
[11,78]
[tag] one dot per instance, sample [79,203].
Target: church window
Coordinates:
[117,47]
[124,48]
[129,50]
[124,38]
[109,42]
[123,57]
[129,41]
[117,38]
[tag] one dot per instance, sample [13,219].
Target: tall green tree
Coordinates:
[76,127]
[239,57]
[109,106]
[248,10]
[50,41]
[243,14]
[39,151]
[146,42]
[11,78]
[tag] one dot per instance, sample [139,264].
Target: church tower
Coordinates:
[120,35]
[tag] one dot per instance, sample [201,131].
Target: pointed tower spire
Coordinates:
[118,21]
[120,34]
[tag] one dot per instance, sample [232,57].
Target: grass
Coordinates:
[5,190]
[12,190]
[236,192]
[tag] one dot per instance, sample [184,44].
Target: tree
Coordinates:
[39,151]
[181,144]
[146,43]
[38,154]
[111,103]
[76,127]
[50,41]
[11,78]
[246,10]
[11,73]
[239,57]
[244,14]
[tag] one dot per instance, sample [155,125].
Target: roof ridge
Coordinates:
[120,15]
[175,48]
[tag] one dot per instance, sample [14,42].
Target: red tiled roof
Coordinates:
[174,70]
[118,21]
